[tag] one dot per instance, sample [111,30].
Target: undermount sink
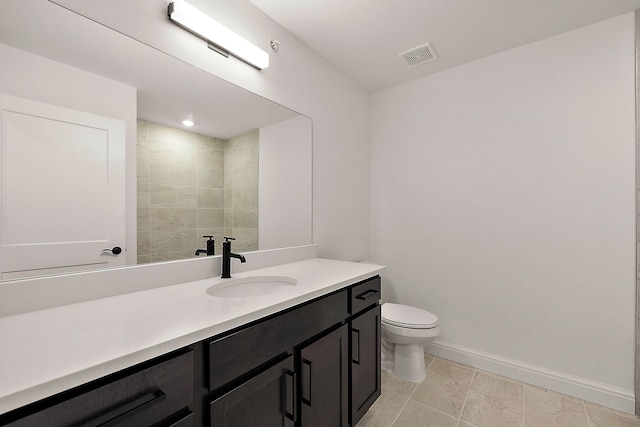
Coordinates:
[254,286]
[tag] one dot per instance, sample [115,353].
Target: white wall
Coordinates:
[503,202]
[285,177]
[297,78]
[34,77]
[340,109]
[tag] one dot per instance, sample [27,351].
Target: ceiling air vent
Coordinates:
[419,55]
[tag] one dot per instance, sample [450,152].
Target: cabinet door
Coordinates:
[365,362]
[268,399]
[324,370]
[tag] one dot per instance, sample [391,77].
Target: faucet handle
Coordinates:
[226,239]
[210,237]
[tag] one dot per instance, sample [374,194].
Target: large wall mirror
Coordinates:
[242,170]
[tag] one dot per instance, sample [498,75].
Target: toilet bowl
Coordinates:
[405,331]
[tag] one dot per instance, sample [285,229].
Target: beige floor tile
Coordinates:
[445,387]
[416,415]
[485,400]
[604,417]
[384,411]
[400,386]
[547,408]
[494,401]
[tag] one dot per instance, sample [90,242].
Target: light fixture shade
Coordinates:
[201,24]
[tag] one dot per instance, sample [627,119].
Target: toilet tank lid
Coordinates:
[400,314]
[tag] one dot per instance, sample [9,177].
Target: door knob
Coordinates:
[116,250]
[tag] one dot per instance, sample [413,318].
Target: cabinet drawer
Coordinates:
[364,295]
[236,354]
[138,399]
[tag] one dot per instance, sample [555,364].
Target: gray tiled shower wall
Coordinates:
[190,185]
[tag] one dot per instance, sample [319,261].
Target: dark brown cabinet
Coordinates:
[365,362]
[234,354]
[324,390]
[313,365]
[337,374]
[364,329]
[309,388]
[141,396]
[268,399]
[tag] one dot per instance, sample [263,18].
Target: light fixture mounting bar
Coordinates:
[199,23]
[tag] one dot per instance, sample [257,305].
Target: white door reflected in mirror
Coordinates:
[62,194]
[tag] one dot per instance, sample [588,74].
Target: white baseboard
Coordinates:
[582,388]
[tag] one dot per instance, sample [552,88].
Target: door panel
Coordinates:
[62,189]
[268,399]
[365,362]
[324,371]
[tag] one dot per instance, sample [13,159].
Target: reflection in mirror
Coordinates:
[192,185]
[244,168]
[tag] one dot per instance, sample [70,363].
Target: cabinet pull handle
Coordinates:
[306,382]
[365,295]
[355,349]
[289,400]
[129,409]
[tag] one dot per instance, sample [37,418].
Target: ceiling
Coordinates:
[364,37]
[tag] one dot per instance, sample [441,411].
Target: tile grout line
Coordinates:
[413,391]
[433,358]
[586,414]
[524,397]
[426,369]
[432,408]
[409,397]
[400,412]
[475,371]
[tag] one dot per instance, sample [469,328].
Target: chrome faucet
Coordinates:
[226,257]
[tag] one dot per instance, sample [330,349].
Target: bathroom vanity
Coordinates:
[305,355]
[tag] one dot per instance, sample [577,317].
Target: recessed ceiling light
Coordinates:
[187,122]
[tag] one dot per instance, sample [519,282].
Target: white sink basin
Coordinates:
[254,286]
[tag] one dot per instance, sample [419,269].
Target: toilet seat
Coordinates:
[405,316]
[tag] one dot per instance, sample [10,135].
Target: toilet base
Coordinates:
[408,362]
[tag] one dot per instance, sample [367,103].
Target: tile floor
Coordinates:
[455,395]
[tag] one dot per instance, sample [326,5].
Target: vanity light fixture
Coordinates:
[225,41]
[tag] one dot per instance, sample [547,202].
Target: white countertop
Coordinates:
[48,351]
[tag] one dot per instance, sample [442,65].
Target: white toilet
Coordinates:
[405,331]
